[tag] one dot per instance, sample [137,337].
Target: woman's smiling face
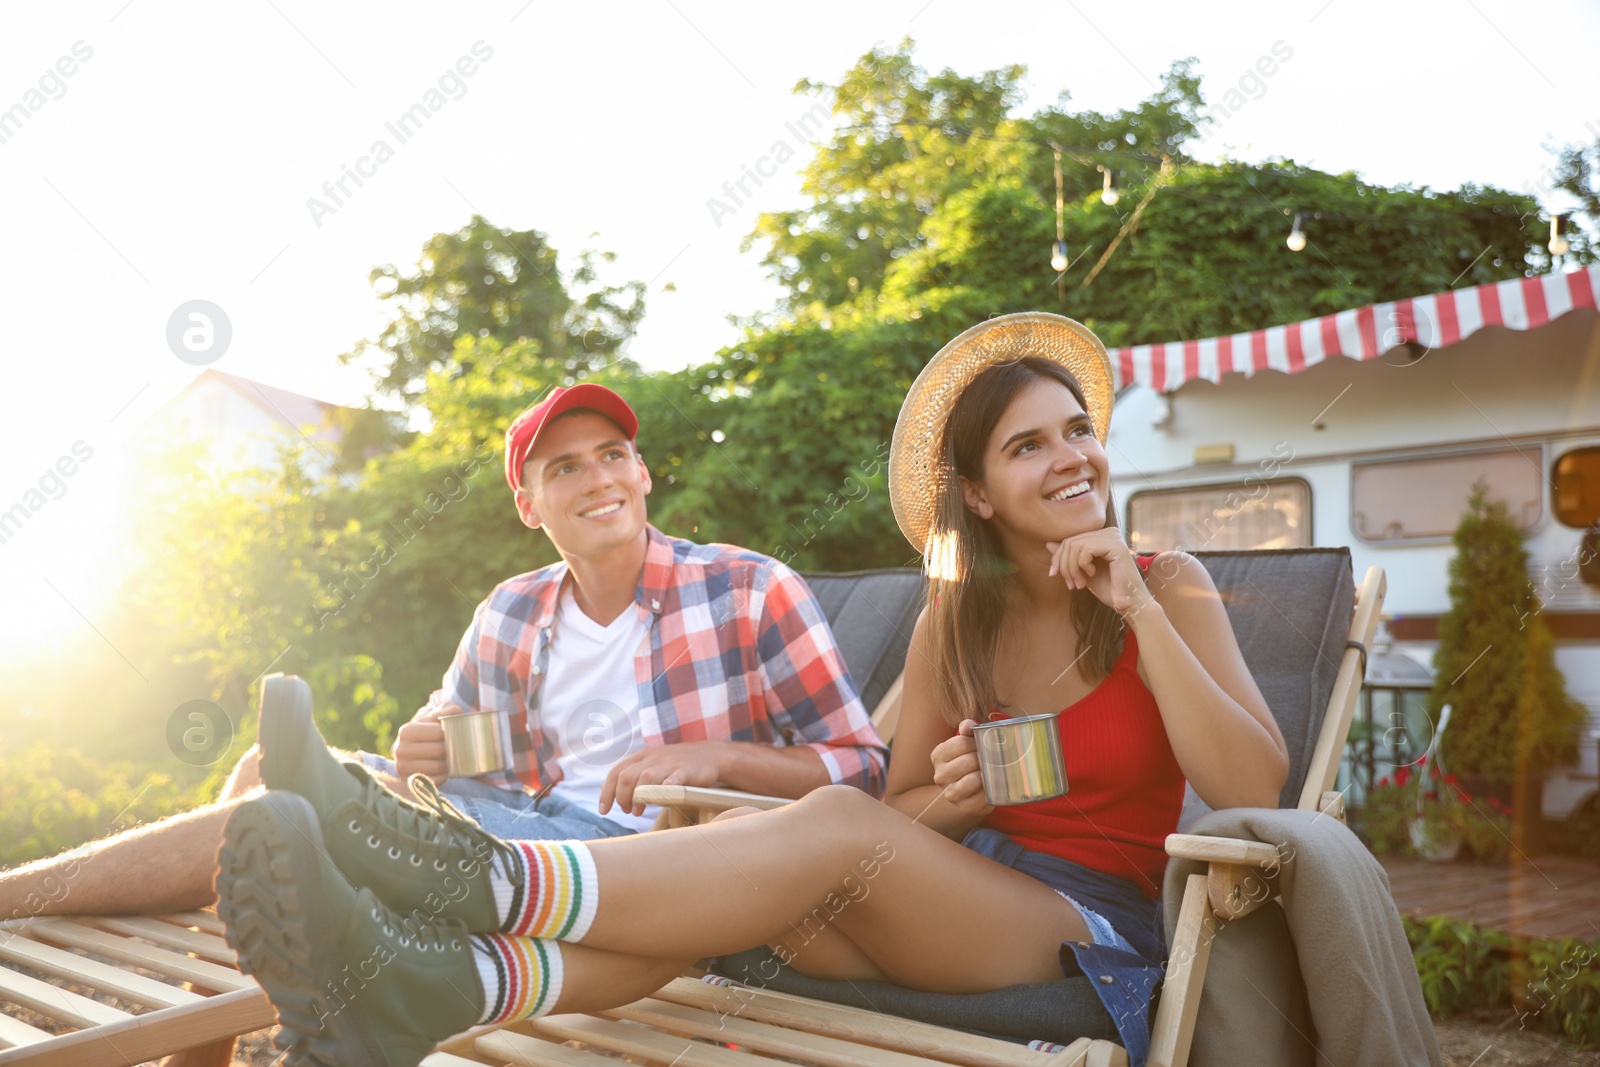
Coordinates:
[1045,475]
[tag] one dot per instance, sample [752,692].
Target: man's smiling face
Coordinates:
[584,484]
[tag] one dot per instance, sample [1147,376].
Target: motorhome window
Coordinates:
[1414,499]
[1577,479]
[1240,515]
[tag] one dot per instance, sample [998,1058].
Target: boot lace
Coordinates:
[432,828]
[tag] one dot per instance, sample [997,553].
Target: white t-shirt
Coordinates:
[589,703]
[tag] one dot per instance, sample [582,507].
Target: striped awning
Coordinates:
[1363,333]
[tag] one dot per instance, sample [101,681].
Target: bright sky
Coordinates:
[175,161]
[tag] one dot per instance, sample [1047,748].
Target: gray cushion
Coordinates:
[1290,610]
[871,614]
[1053,1011]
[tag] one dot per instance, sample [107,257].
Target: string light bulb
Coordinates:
[1059,260]
[1297,234]
[1058,257]
[1108,195]
[1558,242]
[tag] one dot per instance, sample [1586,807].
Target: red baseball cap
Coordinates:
[525,428]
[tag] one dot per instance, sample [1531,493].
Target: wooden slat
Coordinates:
[633,1040]
[203,973]
[205,920]
[207,946]
[446,1059]
[762,1037]
[15,1032]
[886,716]
[1235,890]
[690,796]
[1173,1028]
[854,1024]
[59,1004]
[1324,766]
[1107,1054]
[1223,850]
[103,977]
[151,1036]
[525,1051]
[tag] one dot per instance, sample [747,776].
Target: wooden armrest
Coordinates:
[1240,876]
[1223,850]
[705,799]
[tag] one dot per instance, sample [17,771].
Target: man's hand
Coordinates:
[687,763]
[419,746]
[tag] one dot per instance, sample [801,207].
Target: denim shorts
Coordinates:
[516,816]
[1114,909]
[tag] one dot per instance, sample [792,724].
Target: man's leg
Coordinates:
[165,866]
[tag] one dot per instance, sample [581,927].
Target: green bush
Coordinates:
[53,799]
[1495,664]
[1550,984]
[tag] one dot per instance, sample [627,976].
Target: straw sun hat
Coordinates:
[916,473]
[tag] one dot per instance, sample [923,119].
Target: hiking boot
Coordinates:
[409,854]
[421,856]
[352,981]
[293,754]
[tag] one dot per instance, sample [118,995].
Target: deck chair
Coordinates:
[107,969]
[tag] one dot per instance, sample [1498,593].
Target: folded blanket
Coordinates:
[1357,979]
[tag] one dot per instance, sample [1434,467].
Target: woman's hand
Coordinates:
[955,770]
[1101,562]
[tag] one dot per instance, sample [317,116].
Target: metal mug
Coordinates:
[1020,760]
[474,743]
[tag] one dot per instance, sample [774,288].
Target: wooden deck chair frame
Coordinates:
[688,1023]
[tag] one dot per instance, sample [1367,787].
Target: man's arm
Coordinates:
[810,700]
[808,689]
[752,766]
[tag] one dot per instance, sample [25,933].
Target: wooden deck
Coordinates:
[1545,896]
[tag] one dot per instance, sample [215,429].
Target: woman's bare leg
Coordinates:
[596,980]
[826,955]
[923,910]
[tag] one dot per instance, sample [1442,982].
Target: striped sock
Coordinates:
[558,891]
[521,976]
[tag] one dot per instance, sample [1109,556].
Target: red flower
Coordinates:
[1422,761]
[1462,793]
[1383,783]
[1449,779]
[1402,775]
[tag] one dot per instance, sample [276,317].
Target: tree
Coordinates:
[1495,665]
[933,207]
[485,280]
[908,141]
[1577,172]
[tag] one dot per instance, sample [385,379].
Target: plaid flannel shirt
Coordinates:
[738,650]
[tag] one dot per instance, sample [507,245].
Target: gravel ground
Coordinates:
[1494,1040]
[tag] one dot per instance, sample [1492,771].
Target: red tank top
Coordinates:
[1124,785]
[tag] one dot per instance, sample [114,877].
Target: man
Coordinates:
[637,659]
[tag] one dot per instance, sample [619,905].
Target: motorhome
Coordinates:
[1368,428]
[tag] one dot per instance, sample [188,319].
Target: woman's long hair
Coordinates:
[966,570]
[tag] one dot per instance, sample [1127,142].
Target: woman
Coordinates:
[1035,604]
